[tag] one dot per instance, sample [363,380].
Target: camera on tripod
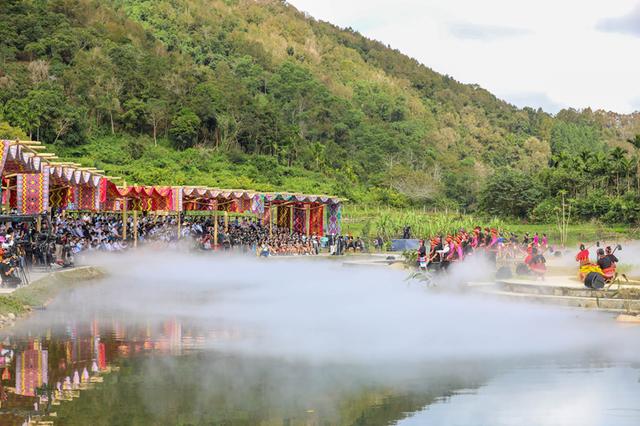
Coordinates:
[14,261]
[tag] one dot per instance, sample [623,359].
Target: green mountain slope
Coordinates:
[244,93]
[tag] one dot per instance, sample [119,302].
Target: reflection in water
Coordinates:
[32,369]
[56,363]
[168,372]
[243,346]
[165,373]
[543,396]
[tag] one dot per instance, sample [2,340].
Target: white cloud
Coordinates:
[553,49]
[625,24]
[533,100]
[471,31]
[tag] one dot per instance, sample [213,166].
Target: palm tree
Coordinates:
[626,165]
[599,169]
[558,160]
[586,157]
[635,141]
[617,155]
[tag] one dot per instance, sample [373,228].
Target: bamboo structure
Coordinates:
[290,218]
[124,220]
[135,228]
[69,186]
[215,232]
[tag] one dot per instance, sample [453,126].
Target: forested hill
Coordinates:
[255,94]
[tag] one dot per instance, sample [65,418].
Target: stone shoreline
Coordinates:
[39,293]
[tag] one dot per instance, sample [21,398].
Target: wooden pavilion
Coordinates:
[37,182]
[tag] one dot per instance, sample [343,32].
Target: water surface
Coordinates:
[236,350]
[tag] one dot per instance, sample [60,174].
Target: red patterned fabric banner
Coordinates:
[4,152]
[317,220]
[33,192]
[87,197]
[102,185]
[244,205]
[232,206]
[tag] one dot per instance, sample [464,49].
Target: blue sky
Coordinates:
[548,53]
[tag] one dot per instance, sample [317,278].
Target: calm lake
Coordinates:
[93,358]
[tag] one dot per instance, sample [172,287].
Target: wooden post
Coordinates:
[308,219]
[135,228]
[179,225]
[291,219]
[215,231]
[39,223]
[124,220]
[8,198]
[271,220]
[226,221]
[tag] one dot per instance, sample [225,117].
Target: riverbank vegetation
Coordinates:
[388,223]
[245,94]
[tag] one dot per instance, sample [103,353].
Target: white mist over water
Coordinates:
[318,310]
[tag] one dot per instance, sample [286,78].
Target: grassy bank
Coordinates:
[40,292]
[388,223]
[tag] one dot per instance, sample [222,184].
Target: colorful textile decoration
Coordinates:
[102,192]
[4,153]
[87,197]
[299,218]
[102,356]
[266,217]
[283,216]
[31,371]
[335,218]
[113,200]
[177,199]
[244,205]
[257,205]
[33,193]
[145,198]
[59,197]
[72,198]
[18,160]
[316,220]
[231,207]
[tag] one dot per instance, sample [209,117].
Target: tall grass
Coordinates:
[389,223]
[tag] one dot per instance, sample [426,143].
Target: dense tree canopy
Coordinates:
[245,93]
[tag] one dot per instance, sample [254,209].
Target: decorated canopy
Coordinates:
[36,182]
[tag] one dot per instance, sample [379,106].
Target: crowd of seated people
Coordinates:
[251,236]
[61,238]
